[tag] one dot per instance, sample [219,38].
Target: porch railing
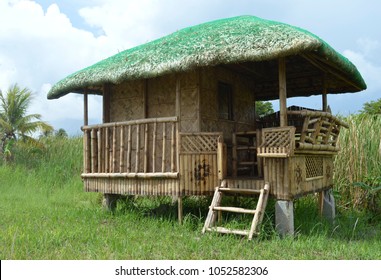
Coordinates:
[145,148]
[309,132]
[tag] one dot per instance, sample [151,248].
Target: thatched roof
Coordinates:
[246,43]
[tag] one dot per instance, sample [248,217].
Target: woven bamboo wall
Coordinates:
[243,101]
[127,101]
[161,96]
[189,102]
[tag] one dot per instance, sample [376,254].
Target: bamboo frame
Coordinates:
[282,91]
[107,148]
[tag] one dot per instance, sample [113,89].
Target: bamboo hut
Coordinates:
[179,113]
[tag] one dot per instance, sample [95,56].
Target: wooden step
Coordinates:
[236,190]
[226,230]
[246,148]
[234,209]
[247,163]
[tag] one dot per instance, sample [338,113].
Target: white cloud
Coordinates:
[43,48]
[370,71]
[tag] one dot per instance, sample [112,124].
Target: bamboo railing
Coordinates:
[145,148]
[310,132]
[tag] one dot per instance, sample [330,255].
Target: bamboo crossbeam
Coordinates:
[316,147]
[308,113]
[168,175]
[134,122]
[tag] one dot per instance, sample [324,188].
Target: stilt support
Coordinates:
[284,217]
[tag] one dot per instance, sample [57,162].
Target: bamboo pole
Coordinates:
[99,150]
[164,145]
[87,153]
[134,122]
[107,151]
[114,149]
[173,148]
[282,92]
[324,95]
[145,148]
[131,175]
[137,148]
[122,150]
[235,160]
[94,145]
[85,109]
[154,147]
[129,149]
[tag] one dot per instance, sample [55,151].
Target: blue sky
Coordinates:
[43,41]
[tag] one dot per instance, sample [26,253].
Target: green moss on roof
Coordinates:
[232,40]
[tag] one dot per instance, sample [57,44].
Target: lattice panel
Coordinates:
[314,167]
[198,143]
[277,141]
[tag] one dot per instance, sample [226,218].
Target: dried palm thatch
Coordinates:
[228,41]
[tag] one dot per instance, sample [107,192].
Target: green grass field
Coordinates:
[45,214]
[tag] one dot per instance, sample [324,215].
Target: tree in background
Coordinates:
[15,122]
[372,107]
[263,108]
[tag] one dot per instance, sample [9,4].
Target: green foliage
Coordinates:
[357,166]
[372,107]
[263,108]
[15,123]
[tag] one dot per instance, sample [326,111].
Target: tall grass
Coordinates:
[358,165]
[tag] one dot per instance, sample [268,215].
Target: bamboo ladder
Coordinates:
[215,208]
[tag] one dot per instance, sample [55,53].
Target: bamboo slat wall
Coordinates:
[141,148]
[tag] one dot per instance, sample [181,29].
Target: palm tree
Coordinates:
[15,122]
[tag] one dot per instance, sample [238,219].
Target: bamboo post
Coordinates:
[145,148]
[107,151]
[94,145]
[137,148]
[282,92]
[324,95]
[114,149]
[129,150]
[154,147]
[122,148]
[87,152]
[99,150]
[173,148]
[106,103]
[235,160]
[85,108]
[164,144]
